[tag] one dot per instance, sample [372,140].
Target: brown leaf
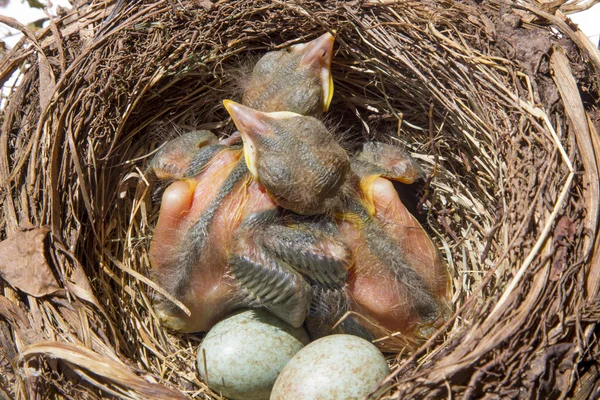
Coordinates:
[23,263]
[110,370]
[78,284]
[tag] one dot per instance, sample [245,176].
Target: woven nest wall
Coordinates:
[500,105]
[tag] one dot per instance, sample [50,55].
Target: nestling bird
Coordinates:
[176,157]
[297,79]
[294,157]
[396,281]
[370,271]
[188,251]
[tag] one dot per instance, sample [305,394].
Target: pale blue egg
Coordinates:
[335,367]
[241,356]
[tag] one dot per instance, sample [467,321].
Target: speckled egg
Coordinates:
[334,367]
[241,356]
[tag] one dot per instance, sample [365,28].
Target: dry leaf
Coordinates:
[108,370]
[23,263]
[78,284]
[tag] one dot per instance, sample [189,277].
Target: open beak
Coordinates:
[251,124]
[320,52]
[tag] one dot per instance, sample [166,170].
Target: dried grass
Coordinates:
[499,103]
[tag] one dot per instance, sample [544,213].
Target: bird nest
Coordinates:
[499,103]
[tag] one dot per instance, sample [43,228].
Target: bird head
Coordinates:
[296,79]
[175,157]
[294,157]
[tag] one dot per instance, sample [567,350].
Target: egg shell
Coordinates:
[333,367]
[244,353]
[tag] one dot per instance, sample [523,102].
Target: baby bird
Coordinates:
[296,79]
[396,279]
[177,156]
[197,215]
[294,157]
[398,282]
[222,242]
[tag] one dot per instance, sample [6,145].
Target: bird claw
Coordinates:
[233,139]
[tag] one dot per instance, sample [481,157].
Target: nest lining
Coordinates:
[471,90]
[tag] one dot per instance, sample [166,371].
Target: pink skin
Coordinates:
[210,294]
[235,138]
[416,245]
[372,288]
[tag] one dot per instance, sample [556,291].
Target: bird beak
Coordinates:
[320,51]
[251,124]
